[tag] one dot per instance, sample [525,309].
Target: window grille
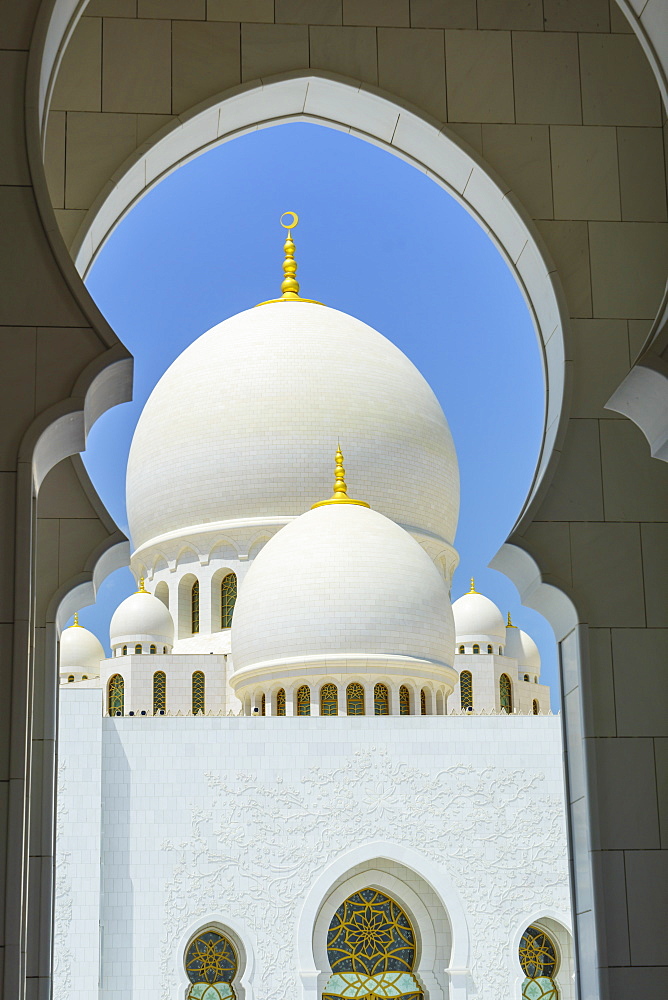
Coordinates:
[505,694]
[263,705]
[138,648]
[476,649]
[153,649]
[304,700]
[159,691]
[536,707]
[228,597]
[355,699]
[116,695]
[198,704]
[489,649]
[329,700]
[194,608]
[404,700]
[423,702]
[538,959]
[461,649]
[466,690]
[280,702]
[211,965]
[381,700]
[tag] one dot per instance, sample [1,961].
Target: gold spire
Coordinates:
[289,285]
[510,624]
[141,589]
[76,620]
[473,590]
[340,489]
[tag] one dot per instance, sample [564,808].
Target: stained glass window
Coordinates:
[466,690]
[198,692]
[536,707]
[489,649]
[505,693]
[371,950]
[153,649]
[355,699]
[138,648]
[125,650]
[280,702]
[194,608]
[329,700]
[70,679]
[476,649]
[228,597]
[304,700]
[211,965]
[404,700]
[263,705]
[116,695]
[381,700]
[159,691]
[461,649]
[423,702]
[538,959]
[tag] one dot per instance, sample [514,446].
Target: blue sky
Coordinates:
[377,239]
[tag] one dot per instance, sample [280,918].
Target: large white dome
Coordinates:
[476,617]
[243,423]
[339,589]
[80,650]
[522,648]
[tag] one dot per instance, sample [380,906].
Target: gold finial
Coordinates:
[510,624]
[76,620]
[340,489]
[473,590]
[289,285]
[141,589]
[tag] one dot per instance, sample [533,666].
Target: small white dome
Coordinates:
[476,617]
[80,651]
[141,618]
[342,589]
[522,648]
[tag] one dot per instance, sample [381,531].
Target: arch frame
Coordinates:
[241,937]
[543,920]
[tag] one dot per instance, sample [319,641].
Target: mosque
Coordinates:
[216,838]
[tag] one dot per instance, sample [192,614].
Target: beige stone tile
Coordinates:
[479,74]
[112,8]
[350,51]
[628,267]
[618,22]
[575,493]
[661,756]
[470,133]
[17,21]
[546,77]
[272,49]
[549,543]
[69,220]
[205,60]
[17,385]
[388,13]
[635,485]
[607,574]
[584,172]
[252,11]
[642,174]
[654,561]
[574,15]
[636,653]
[79,82]
[54,158]
[13,157]
[600,351]
[411,64]
[521,155]
[569,246]
[309,11]
[638,333]
[96,145]
[625,775]
[136,69]
[649,982]
[148,125]
[521,15]
[437,14]
[55,370]
[192,10]
[647,878]
[598,682]
[618,86]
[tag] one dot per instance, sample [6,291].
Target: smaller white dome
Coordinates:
[141,618]
[80,651]
[476,617]
[522,648]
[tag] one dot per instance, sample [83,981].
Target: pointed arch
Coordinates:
[381,700]
[228,598]
[116,695]
[329,699]
[304,700]
[355,699]
[505,694]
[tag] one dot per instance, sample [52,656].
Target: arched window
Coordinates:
[423,702]
[461,649]
[505,693]
[355,699]
[263,704]
[476,648]
[280,702]
[381,700]
[125,650]
[228,597]
[404,700]
[138,648]
[329,700]
[198,692]
[70,679]
[211,960]
[116,695]
[194,608]
[304,700]
[500,651]
[489,648]
[371,942]
[466,690]
[85,677]
[535,680]
[526,677]
[153,649]
[538,959]
[536,707]
[164,649]
[159,691]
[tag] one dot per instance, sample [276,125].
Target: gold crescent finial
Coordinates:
[473,590]
[340,489]
[289,285]
[76,620]
[141,589]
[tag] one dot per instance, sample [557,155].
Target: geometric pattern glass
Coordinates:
[355,699]
[304,700]
[505,693]
[404,701]
[329,700]
[210,959]
[538,959]
[535,707]
[116,696]
[371,950]
[381,700]
[198,692]
[228,596]
[280,702]
[159,691]
[194,608]
[466,690]
[423,702]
